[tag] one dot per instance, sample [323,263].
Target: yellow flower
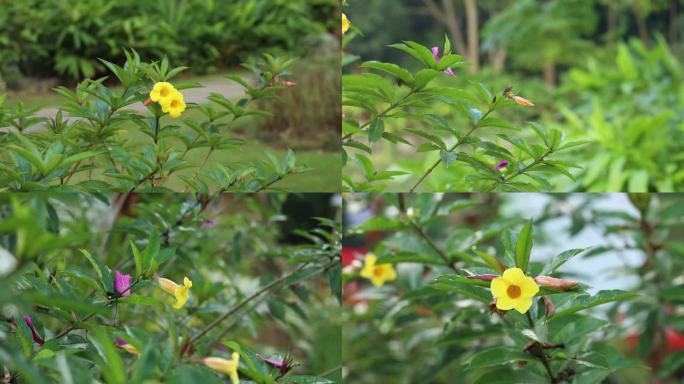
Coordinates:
[378,274]
[162,91]
[180,292]
[514,290]
[174,105]
[345,24]
[127,347]
[229,367]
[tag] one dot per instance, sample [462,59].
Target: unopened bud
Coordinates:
[522,101]
[554,283]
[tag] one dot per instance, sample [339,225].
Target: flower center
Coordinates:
[163,92]
[174,104]
[377,271]
[513,291]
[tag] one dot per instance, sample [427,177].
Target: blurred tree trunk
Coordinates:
[550,73]
[673,22]
[641,23]
[447,15]
[497,58]
[452,24]
[473,34]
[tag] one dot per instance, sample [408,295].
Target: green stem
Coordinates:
[519,172]
[382,114]
[541,355]
[253,296]
[453,148]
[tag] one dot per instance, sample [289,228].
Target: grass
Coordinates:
[325,166]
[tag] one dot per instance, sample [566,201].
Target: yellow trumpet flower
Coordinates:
[514,290]
[229,367]
[180,292]
[377,274]
[345,24]
[162,91]
[174,105]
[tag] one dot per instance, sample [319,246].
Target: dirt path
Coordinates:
[227,88]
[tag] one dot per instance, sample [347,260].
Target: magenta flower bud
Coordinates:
[485,277]
[284,366]
[208,224]
[435,54]
[122,283]
[36,336]
[502,165]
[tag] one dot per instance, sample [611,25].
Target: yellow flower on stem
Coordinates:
[180,292]
[229,367]
[514,290]
[127,347]
[378,274]
[345,24]
[174,105]
[162,91]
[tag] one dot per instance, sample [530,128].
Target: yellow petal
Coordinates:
[182,296]
[505,303]
[187,282]
[154,95]
[514,276]
[522,304]
[378,281]
[345,24]
[130,349]
[499,287]
[389,272]
[370,259]
[528,288]
[167,285]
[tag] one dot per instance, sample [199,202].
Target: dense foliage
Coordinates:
[86,146]
[606,73]
[421,298]
[468,140]
[65,37]
[84,289]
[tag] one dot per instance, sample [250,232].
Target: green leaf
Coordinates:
[496,356]
[137,257]
[523,246]
[392,69]
[109,361]
[25,337]
[103,273]
[447,158]
[138,299]
[186,373]
[491,261]
[507,376]
[585,301]
[561,259]
[671,365]
[376,129]
[296,379]
[150,252]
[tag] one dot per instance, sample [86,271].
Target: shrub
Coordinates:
[91,151]
[402,113]
[66,37]
[428,296]
[86,299]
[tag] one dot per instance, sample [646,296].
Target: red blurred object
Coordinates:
[675,340]
[349,254]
